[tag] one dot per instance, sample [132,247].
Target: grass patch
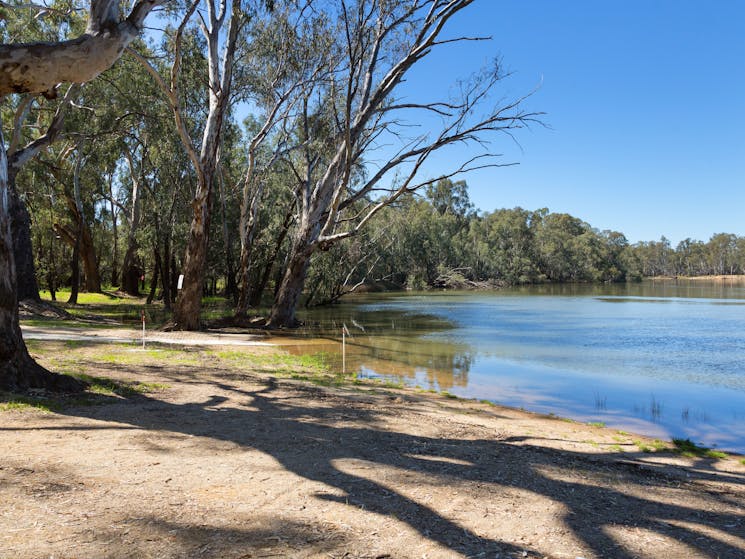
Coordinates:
[284,362]
[596,424]
[689,449]
[449,395]
[643,446]
[655,446]
[15,402]
[85,298]
[109,387]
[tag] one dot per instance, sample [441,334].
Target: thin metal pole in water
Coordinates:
[143,328]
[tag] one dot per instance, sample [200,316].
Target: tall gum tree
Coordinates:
[287,56]
[362,110]
[221,49]
[40,68]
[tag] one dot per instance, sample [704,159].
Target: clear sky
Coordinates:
[645,100]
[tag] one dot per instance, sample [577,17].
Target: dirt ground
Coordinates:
[232,463]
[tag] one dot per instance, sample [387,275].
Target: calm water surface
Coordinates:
[664,359]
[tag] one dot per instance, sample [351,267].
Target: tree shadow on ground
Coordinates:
[324,443]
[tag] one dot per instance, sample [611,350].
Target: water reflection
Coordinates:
[390,343]
[664,358]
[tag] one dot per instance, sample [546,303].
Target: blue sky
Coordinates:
[645,101]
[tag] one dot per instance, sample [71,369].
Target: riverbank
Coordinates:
[235,452]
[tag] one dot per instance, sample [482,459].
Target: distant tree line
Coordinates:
[440,240]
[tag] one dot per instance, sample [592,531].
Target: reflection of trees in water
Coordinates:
[444,365]
[392,343]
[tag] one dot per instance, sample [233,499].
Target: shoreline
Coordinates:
[217,339]
[235,452]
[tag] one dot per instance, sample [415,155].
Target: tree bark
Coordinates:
[18,371]
[20,225]
[189,301]
[75,272]
[115,232]
[231,289]
[40,67]
[36,68]
[156,275]
[257,290]
[293,281]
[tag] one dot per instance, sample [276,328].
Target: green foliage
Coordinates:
[685,447]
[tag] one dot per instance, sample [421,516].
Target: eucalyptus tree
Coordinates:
[284,57]
[18,157]
[39,67]
[220,25]
[36,122]
[358,110]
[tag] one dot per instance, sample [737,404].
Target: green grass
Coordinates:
[315,361]
[85,298]
[22,403]
[689,449]
[109,387]
[596,424]
[655,446]
[449,395]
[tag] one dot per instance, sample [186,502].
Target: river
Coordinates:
[665,359]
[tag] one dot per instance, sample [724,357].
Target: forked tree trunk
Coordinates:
[41,67]
[290,289]
[254,299]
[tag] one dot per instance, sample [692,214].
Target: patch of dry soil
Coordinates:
[241,465]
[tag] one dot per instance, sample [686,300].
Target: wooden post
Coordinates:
[344,350]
